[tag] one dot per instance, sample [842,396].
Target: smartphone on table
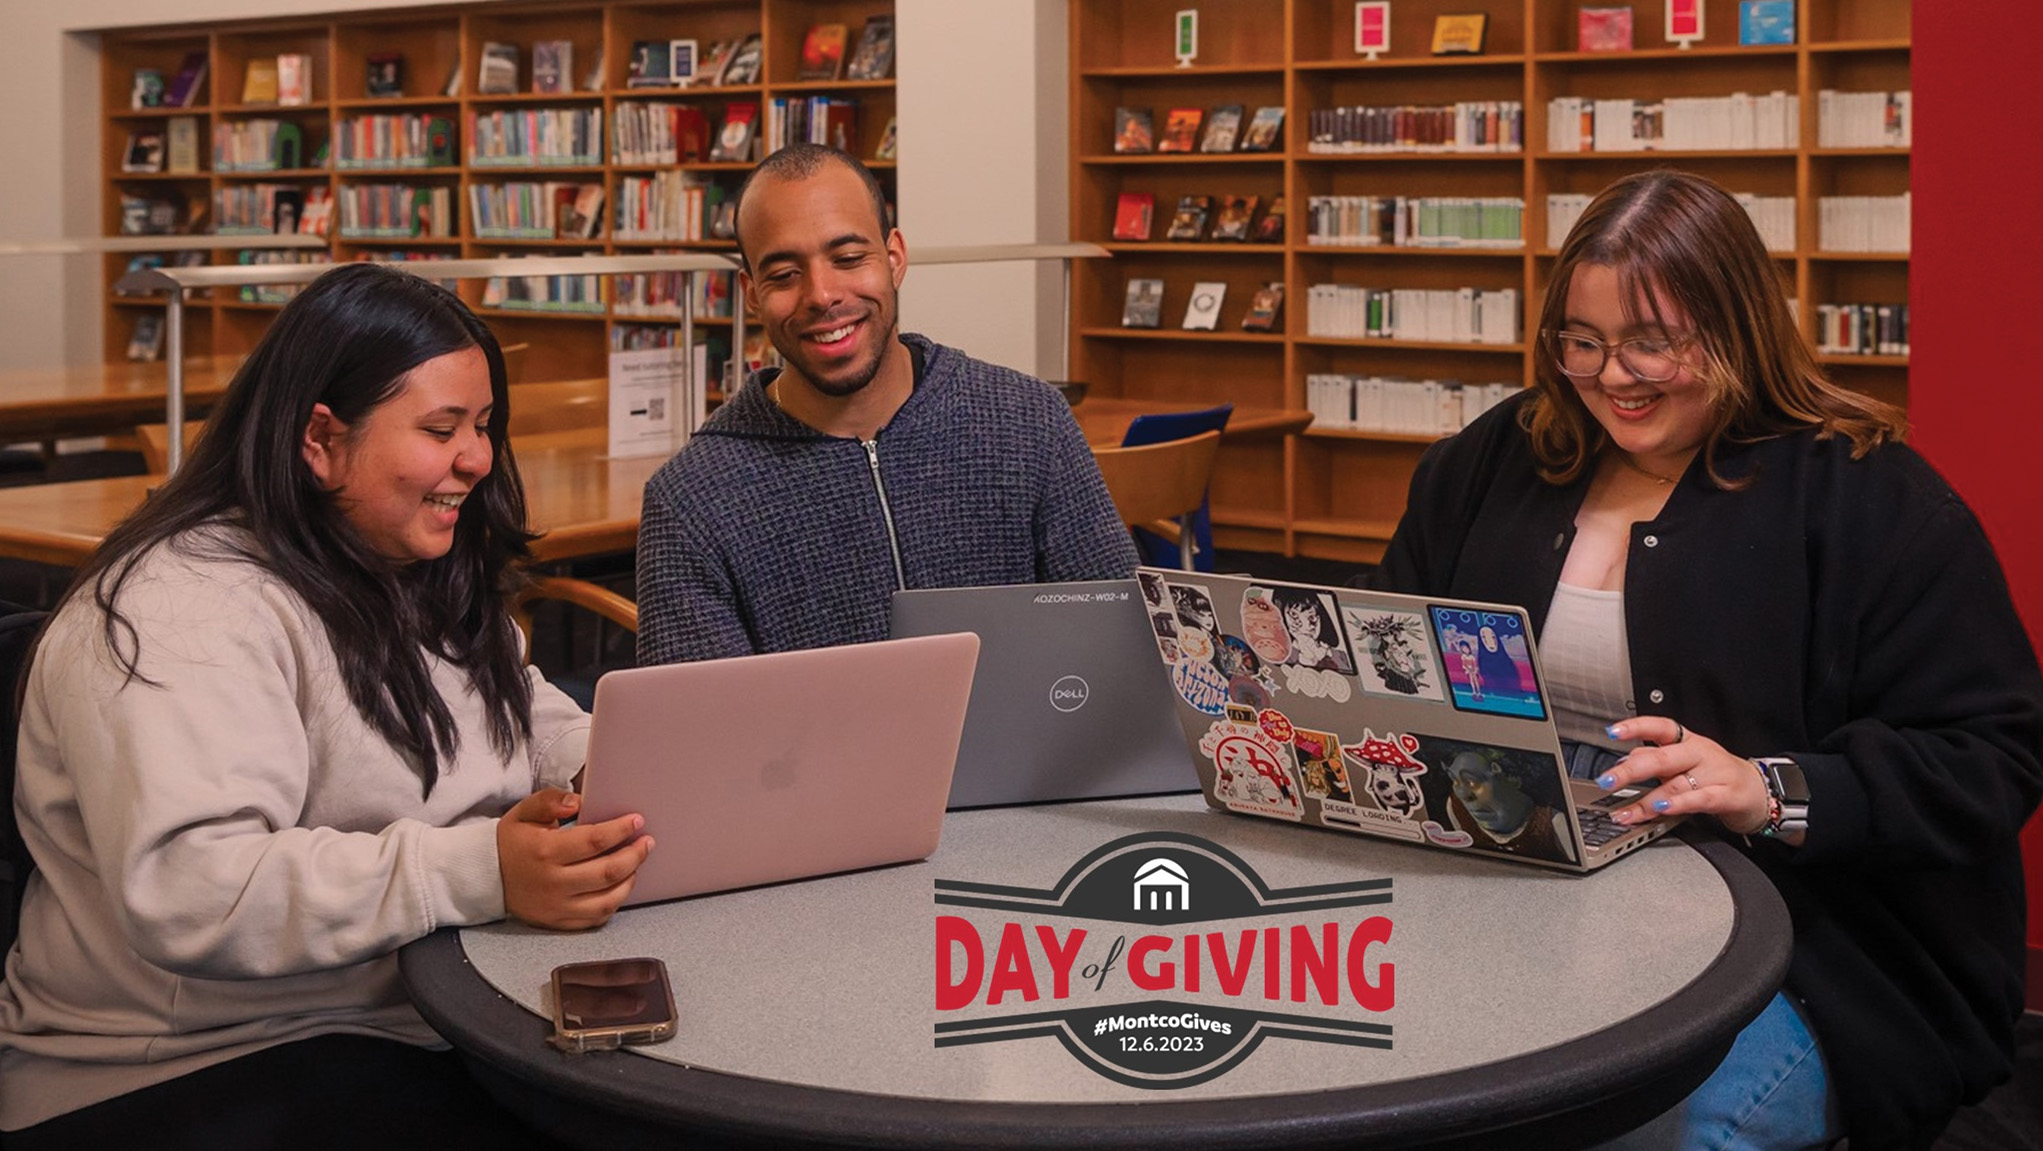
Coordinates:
[606,1004]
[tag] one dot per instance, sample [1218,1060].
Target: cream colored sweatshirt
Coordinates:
[231,860]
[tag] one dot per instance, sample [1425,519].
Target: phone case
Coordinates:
[575,1038]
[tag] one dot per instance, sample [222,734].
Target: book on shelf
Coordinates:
[578,212]
[1188,223]
[1144,307]
[1865,119]
[259,81]
[650,60]
[1202,311]
[1181,130]
[144,152]
[1231,222]
[823,52]
[1398,405]
[497,73]
[441,148]
[831,121]
[1134,216]
[1270,229]
[1415,221]
[683,60]
[1419,315]
[1862,329]
[1133,132]
[1460,34]
[294,79]
[1762,22]
[709,70]
[889,140]
[1263,308]
[183,91]
[452,87]
[145,343]
[592,80]
[1468,126]
[553,66]
[148,89]
[1604,29]
[1223,129]
[1738,122]
[519,137]
[182,147]
[1264,129]
[260,145]
[874,57]
[734,141]
[152,215]
[383,74]
[743,67]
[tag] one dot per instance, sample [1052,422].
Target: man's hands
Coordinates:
[566,878]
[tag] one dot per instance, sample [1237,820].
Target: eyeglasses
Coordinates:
[1652,359]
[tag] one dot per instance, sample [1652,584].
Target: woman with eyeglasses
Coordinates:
[1746,588]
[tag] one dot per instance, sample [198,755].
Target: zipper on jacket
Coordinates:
[872,456]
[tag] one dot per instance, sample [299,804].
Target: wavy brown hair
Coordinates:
[1680,240]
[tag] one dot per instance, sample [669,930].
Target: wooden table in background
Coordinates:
[1105,420]
[586,503]
[95,399]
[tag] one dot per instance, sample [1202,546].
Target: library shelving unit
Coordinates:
[1337,493]
[442,50]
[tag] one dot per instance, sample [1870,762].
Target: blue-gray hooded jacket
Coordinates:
[764,534]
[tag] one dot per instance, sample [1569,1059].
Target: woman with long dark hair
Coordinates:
[1747,589]
[279,727]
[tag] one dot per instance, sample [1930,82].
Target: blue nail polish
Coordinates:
[1611,731]
[1606,781]
[1660,805]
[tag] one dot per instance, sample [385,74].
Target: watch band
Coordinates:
[1787,795]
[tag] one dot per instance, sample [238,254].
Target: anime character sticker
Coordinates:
[1314,629]
[1320,769]
[1392,652]
[1263,624]
[1164,624]
[1505,800]
[1248,681]
[1253,774]
[1195,607]
[1489,666]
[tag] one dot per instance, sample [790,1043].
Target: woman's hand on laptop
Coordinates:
[566,878]
[1697,777]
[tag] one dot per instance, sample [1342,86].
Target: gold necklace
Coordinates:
[1626,459]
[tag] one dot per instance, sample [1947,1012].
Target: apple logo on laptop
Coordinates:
[1069,693]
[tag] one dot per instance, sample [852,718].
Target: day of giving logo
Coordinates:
[1138,961]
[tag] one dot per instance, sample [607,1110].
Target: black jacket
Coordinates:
[1850,615]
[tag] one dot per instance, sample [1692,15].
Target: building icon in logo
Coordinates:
[1161,885]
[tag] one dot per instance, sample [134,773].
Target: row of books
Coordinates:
[284,80]
[583,293]
[1135,130]
[1738,122]
[274,293]
[1468,126]
[173,148]
[661,293]
[1862,223]
[1865,119]
[1862,329]
[1429,315]
[671,206]
[1399,405]
[535,210]
[1144,306]
[396,212]
[1760,22]
[257,146]
[266,209]
[1416,221]
[396,140]
[532,136]
[1774,216]
[657,132]
[828,120]
[1236,220]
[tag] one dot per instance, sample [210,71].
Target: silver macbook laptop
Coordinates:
[1067,703]
[1413,718]
[785,766]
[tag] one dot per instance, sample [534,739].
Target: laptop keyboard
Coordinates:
[1597,826]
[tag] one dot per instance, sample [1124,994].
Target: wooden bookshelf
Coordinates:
[1338,493]
[439,44]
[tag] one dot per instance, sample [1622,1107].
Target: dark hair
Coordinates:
[349,340]
[800,161]
[1682,238]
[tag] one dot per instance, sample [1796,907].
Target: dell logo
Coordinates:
[1069,693]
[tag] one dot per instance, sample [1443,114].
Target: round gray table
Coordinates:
[1558,1008]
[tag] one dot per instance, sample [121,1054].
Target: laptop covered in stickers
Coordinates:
[1403,717]
[1065,704]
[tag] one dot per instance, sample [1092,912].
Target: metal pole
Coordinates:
[1065,331]
[735,378]
[173,403]
[684,412]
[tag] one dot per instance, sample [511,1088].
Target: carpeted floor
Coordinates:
[2010,1119]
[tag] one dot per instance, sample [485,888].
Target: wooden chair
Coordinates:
[1157,486]
[578,592]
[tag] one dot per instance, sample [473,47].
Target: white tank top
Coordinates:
[1588,664]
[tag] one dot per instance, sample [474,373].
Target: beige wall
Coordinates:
[981,162]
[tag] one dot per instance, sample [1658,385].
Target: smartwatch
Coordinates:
[1789,790]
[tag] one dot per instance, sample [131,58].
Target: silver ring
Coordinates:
[1692,784]
[1680,732]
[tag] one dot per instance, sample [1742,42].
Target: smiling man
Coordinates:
[874,460]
